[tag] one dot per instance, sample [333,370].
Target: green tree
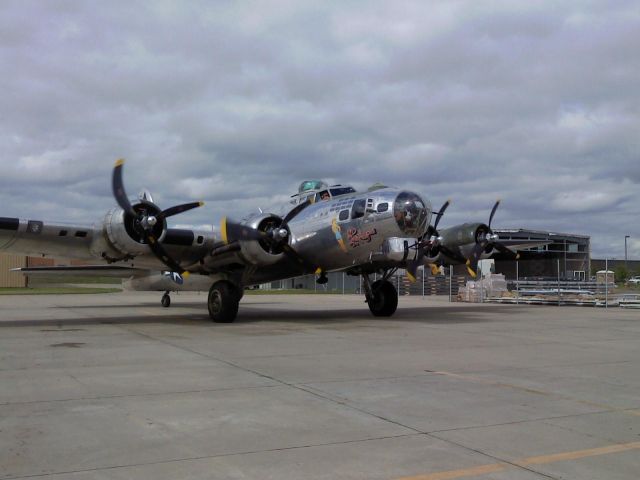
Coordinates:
[621,273]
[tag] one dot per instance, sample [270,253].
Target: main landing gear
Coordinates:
[223,301]
[381,295]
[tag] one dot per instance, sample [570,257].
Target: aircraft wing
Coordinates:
[115,271]
[35,237]
[106,242]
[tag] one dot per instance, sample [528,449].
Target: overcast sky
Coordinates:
[235,103]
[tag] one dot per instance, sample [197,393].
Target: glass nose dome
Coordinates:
[411,214]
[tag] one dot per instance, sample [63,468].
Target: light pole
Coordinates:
[625,250]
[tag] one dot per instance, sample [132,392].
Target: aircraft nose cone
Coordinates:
[411,214]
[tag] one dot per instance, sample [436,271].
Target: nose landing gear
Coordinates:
[166,300]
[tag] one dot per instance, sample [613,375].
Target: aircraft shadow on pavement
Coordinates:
[432,315]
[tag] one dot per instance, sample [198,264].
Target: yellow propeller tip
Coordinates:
[185,275]
[223,230]
[318,271]
[412,279]
[119,162]
[201,204]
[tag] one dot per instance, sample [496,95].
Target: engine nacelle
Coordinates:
[261,252]
[125,233]
[465,234]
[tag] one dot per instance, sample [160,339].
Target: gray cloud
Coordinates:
[535,103]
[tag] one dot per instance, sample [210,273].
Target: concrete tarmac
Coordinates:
[313,387]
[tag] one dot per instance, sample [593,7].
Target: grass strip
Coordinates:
[56,291]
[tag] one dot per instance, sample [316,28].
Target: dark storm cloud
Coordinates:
[532,102]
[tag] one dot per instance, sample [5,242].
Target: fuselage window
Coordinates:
[344,215]
[383,207]
[358,208]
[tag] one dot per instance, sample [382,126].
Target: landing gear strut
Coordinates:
[166,300]
[223,301]
[381,296]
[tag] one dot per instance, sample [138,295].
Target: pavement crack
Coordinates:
[284,383]
[493,457]
[219,455]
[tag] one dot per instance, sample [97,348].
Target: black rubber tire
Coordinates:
[385,299]
[223,302]
[166,301]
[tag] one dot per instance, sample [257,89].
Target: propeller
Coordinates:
[425,244]
[147,217]
[276,237]
[486,241]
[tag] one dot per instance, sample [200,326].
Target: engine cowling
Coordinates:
[261,252]
[126,234]
[465,234]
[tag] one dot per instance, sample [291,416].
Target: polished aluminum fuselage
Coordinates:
[331,244]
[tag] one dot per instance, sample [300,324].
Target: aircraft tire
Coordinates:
[385,299]
[223,302]
[166,301]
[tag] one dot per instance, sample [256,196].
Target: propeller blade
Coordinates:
[493,212]
[472,271]
[160,252]
[296,257]
[472,262]
[440,213]
[435,270]
[412,270]
[170,212]
[294,212]
[118,189]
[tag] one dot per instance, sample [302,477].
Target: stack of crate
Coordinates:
[491,285]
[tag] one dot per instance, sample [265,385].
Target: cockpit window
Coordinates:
[341,191]
[358,208]
[324,195]
[410,213]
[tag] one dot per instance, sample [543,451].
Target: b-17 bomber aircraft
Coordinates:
[325,229]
